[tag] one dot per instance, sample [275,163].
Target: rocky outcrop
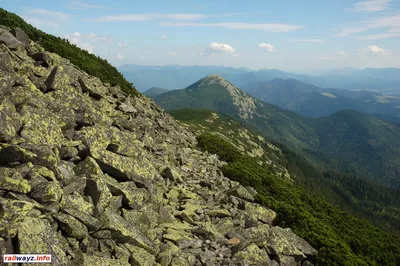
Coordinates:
[95,177]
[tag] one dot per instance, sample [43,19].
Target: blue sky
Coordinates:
[289,35]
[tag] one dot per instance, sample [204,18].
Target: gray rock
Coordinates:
[47,192]
[43,59]
[71,226]
[21,36]
[9,40]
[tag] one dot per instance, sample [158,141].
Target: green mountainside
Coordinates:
[154,91]
[372,152]
[309,100]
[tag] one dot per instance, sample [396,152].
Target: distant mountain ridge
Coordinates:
[154,91]
[310,100]
[372,151]
[175,76]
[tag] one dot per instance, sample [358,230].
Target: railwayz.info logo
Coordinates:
[27,258]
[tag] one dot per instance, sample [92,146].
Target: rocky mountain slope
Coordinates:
[347,140]
[96,177]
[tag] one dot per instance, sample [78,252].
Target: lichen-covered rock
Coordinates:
[9,121]
[252,255]
[71,226]
[47,192]
[8,39]
[11,180]
[97,189]
[141,257]
[21,36]
[241,192]
[88,260]
[93,86]
[41,130]
[124,232]
[12,213]
[35,236]
[285,242]
[260,213]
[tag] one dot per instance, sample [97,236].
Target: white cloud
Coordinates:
[172,54]
[120,56]
[183,16]
[342,53]
[370,6]
[308,40]
[82,6]
[48,14]
[163,37]
[379,36]
[38,22]
[121,45]
[151,16]
[96,38]
[235,54]
[273,27]
[323,58]
[373,49]
[216,47]
[267,47]
[346,32]
[389,25]
[86,41]
[42,17]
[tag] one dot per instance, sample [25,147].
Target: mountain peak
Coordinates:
[214,76]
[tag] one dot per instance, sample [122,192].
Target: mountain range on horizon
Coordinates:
[384,80]
[314,101]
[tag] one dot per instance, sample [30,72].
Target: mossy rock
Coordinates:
[141,257]
[12,213]
[11,180]
[36,236]
[91,260]
[47,192]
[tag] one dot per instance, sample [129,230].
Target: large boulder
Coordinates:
[9,121]
[36,236]
[10,40]
[71,226]
[285,242]
[47,192]
[124,232]
[12,213]
[11,179]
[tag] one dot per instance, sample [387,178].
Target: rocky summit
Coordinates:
[96,177]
